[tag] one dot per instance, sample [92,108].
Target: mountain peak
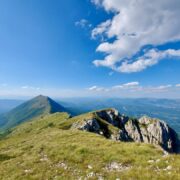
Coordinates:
[40,105]
[41,97]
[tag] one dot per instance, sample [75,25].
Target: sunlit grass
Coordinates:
[42,149]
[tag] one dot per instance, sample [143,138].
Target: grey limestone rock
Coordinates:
[145,129]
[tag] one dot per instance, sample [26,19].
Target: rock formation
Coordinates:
[111,124]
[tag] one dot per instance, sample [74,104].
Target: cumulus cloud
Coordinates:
[101,29]
[135,24]
[177,85]
[150,58]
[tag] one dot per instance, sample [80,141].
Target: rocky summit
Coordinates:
[113,125]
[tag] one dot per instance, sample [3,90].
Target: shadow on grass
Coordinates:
[4,157]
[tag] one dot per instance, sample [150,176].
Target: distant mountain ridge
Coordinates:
[165,109]
[40,105]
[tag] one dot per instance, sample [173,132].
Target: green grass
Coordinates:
[45,148]
[35,107]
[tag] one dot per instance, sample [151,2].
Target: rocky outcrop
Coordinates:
[90,125]
[111,124]
[152,131]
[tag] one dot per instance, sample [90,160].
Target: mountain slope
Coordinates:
[37,106]
[47,148]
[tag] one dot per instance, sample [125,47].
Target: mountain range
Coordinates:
[165,109]
[46,142]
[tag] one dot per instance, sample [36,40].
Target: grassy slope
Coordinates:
[26,111]
[40,105]
[43,149]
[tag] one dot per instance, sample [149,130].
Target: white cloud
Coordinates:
[92,88]
[150,58]
[129,85]
[134,87]
[101,29]
[164,87]
[96,88]
[136,23]
[83,23]
[130,89]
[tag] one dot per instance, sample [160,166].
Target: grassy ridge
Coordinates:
[43,149]
[40,105]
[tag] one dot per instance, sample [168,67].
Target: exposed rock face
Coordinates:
[113,117]
[152,131]
[90,125]
[113,125]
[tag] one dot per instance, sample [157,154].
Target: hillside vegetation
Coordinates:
[35,107]
[45,148]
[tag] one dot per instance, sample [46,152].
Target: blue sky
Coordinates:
[75,48]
